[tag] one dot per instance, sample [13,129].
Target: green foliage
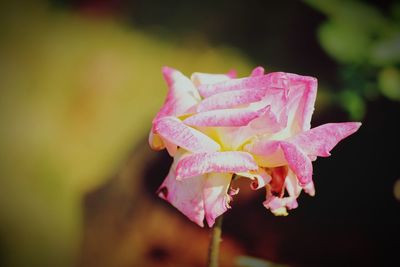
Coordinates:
[354,50]
[352,103]
[366,44]
[389,83]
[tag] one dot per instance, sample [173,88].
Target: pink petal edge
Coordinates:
[219,162]
[320,140]
[176,132]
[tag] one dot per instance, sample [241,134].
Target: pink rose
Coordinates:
[258,127]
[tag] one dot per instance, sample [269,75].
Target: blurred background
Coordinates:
[80,82]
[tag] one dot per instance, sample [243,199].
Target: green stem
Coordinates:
[213,251]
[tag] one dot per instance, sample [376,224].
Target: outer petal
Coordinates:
[271,80]
[199,78]
[186,196]
[220,162]
[155,141]
[298,162]
[301,98]
[216,199]
[279,153]
[182,94]
[230,99]
[174,131]
[224,118]
[321,140]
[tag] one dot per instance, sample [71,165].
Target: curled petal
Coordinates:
[321,140]
[280,204]
[216,199]
[199,78]
[276,205]
[175,132]
[220,162]
[298,162]
[268,81]
[155,141]
[309,188]
[260,178]
[186,196]
[182,94]
[233,191]
[301,98]
[230,99]
[292,185]
[279,153]
[224,118]
[203,196]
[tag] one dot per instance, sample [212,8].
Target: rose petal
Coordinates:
[292,185]
[258,71]
[186,196]
[309,189]
[171,147]
[220,162]
[298,162]
[216,199]
[174,131]
[224,118]
[260,178]
[301,98]
[155,141]
[230,99]
[182,94]
[321,140]
[270,80]
[199,78]
[276,205]
[279,153]
[267,153]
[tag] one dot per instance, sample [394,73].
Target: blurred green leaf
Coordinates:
[356,14]
[343,42]
[389,83]
[395,12]
[353,104]
[363,40]
[387,51]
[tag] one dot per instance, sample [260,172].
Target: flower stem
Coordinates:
[213,251]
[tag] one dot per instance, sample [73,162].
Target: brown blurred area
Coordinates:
[125,225]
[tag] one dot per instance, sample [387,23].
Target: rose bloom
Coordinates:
[217,127]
